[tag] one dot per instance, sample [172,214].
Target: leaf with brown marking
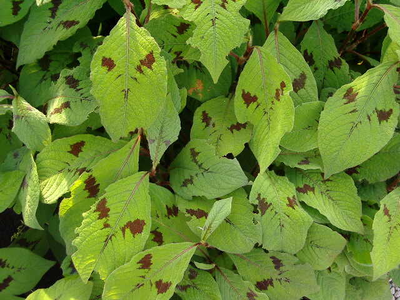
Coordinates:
[115,228]
[284,223]
[13,10]
[283,276]
[125,70]
[216,123]
[359,119]
[310,160]
[151,274]
[61,162]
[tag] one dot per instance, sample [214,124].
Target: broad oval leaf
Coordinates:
[284,223]
[10,183]
[359,119]
[198,171]
[125,70]
[151,274]
[115,228]
[332,286]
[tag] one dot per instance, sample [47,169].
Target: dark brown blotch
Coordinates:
[386,212]
[238,126]
[335,63]
[251,295]
[44,63]
[187,181]
[162,287]
[263,205]
[352,171]
[68,24]
[108,62]
[16,7]
[183,288]
[304,162]
[265,284]
[384,115]
[102,209]
[299,83]
[147,62]
[182,28]
[224,3]
[305,189]
[61,108]
[72,82]
[157,237]
[277,263]
[92,187]
[193,274]
[145,263]
[248,99]
[309,58]
[350,96]
[198,213]
[135,227]
[206,119]
[172,211]
[197,3]
[6,282]
[292,203]
[76,148]
[53,10]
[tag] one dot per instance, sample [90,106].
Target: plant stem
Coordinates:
[365,37]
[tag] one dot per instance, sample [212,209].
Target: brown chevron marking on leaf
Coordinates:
[182,28]
[60,109]
[299,83]
[147,62]
[145,262]
[187,181]
[277,263]
[305,189]
[162,287]
[198,88]
[158,237]
[265,284]
[194,154]
[206,119]
[198,213]
[80,170]
[309,58]
[352,171]
[53,10]
[183,288]
[54,77]
[193,274]
[77,148]
[72,82]
[292,203]
[251,295]
[135,227]
[335,63]
[3,263]
[279,92]
[172,211]
[224,3]
[108,62]
[263,205]
[44,63]
[16,7]
[350,96]
[197,3]
[91,186]
[386,212]
[238,126]
[304,162]
[68,24]
[102,209]
[248,99]
[384,115]
[6,282]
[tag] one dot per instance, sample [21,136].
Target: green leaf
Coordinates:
[377,290]
[30,125]
[197,171]
[170,3]
[322,246]
[92,183]
[70,287]
[382,166]
[332,286]
[52,22]
[283,277]
[151,274]
[310,160]
[336,197]
[307,10]
[215,121]
[115,228]
[263,100]
[284,223]
[219,29]
[219,211]
[263,9]
[237,234]
[163,132]
[13,11]
[168,221]
[61,163]
[362,111]
[199,285]
[303,81]
[10,183]
[319,50]
[304,135]
[20,270]
[233,287]
[392,19]
[385,256]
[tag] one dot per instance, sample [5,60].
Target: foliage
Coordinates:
[199,149]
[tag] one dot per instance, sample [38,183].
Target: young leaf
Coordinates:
[151,274]
[219,29]
[115,228]
[336,197]
[30,125]
[52,22]
[319,50]
[125,70]
[199,285]
[233,287]
[385,256]
[13,11]
[197,171]
[263,100]
[362,111]
[282,276]
[219,211]
[303,81]
[307,10]
[61,163]
[163,132]
[322,246]
[284,223]
[20,270]
[70,287]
